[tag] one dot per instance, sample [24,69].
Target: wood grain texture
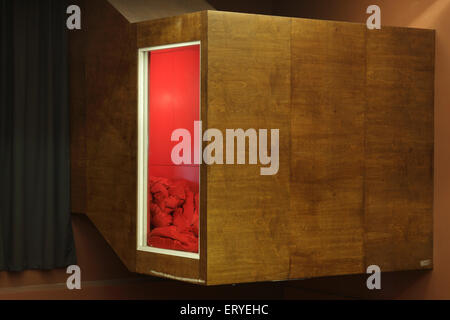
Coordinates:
[354,109]
[355,112]
[249,83]
[399,148]
[327,148]
[185,28]
[179,268]
[203,168]
[111,132]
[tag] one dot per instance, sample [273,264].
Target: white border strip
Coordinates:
[168,46]
[162,274]
[143,153]
[178,253]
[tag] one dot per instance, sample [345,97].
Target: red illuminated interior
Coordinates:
[173,190]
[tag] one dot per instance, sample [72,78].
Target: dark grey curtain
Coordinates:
[35,225]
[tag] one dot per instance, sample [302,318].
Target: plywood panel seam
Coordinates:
[290,137]
[363,207]
[203,265]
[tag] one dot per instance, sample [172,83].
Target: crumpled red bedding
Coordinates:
[173,214]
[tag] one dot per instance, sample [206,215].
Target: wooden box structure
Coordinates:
[354,109]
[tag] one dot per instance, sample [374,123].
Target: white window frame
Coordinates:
[143,127]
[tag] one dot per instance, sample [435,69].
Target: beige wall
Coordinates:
[432,14]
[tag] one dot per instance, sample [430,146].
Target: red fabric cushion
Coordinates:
[173,214]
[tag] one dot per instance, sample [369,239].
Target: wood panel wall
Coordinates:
[355,113]
[184,28]
[327,151]
[104,141]
[249,86]
[399,148]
